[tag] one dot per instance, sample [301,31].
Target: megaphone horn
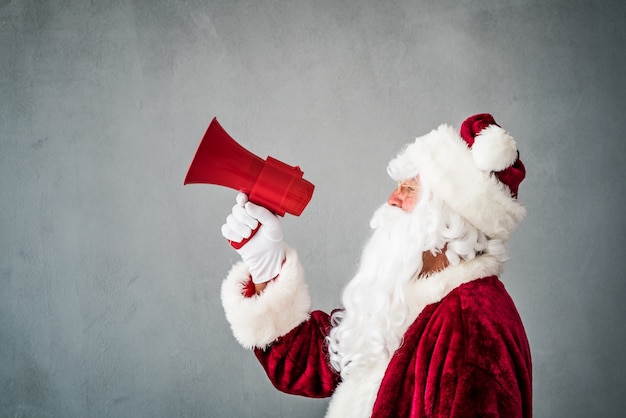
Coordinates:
[271,183]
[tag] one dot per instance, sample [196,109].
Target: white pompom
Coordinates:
[494,149]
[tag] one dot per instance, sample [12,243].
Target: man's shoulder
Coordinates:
[484,300]
[479,303]
[481,310]
[488,316]
[482,290]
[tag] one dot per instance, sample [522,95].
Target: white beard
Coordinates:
[370,328]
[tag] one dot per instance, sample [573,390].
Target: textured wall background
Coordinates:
[110,269]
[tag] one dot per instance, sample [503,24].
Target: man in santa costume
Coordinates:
[427,329]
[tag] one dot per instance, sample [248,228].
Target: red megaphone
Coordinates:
[271,183]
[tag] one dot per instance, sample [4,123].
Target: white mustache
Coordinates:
[387,214]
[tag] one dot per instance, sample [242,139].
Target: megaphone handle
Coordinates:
[238,245]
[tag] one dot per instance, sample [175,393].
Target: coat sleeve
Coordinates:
[259,320]
[278,325]
[479,394]
[298,362]
[495,378]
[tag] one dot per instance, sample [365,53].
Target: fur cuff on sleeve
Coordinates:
[259,320]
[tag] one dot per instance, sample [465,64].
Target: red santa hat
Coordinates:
[476,172]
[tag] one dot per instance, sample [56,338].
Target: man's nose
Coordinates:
[395,199]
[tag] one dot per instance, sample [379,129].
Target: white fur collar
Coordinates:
[431,289]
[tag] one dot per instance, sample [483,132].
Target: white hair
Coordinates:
[371,325]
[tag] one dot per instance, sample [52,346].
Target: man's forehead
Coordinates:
[410,180]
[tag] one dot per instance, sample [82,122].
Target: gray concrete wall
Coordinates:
[110,269]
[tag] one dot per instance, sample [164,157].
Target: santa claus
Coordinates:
[427,329]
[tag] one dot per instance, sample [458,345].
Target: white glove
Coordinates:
[264,253]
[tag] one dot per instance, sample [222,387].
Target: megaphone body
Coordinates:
[270,183]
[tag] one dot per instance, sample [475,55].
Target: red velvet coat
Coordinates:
[465,355]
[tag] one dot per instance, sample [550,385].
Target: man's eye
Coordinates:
[406,189]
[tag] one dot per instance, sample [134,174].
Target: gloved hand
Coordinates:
[264,253]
